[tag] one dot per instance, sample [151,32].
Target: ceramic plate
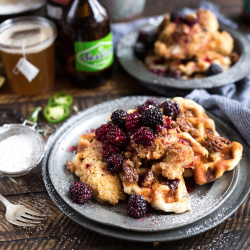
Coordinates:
[204,200]
[128,60]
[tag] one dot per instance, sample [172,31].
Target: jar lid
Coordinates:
[32,34]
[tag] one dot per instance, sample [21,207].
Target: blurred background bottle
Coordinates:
[55,9]
[54,12]
[87,43]
[246,11]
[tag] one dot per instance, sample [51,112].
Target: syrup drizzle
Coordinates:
[190,184]
[71,149]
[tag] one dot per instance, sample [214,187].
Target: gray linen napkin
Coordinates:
[231,103]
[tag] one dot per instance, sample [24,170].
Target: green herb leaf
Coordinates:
[34,114]
[13,180]
[75,108]
[42,131]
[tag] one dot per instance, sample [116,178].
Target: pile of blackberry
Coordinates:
[141,127]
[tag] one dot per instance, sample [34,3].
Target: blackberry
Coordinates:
[153,102]
[114,162]
[101,132]
[80,192]
[159,72]
[171,108]
[109,150]
[133,121]
[176,17]
[190,184]
[160,61]
[144,136]
[148,36]
[141,109]
[168,126]
[137,206]
[173,74]
[191,22]
[116,136]
[140,50]
[159,128]
[214,69]
[173,184]
[118,118]
[152,117]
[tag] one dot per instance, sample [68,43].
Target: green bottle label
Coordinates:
[94,56]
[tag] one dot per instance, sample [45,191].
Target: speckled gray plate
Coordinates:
[204,200]
[128,60]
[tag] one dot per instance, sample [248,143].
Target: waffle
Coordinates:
[168,158]
[223,155]
[159,194]
[196,116]
[192,146]
[222,158]
[188,45]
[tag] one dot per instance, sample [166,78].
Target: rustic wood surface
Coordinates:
[58,231]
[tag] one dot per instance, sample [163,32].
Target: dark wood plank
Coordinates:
[232,234]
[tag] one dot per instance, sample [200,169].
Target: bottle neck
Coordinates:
[81,9]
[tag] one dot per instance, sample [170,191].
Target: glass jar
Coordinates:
[28,54]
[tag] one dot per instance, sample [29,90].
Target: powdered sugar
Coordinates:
[17,153]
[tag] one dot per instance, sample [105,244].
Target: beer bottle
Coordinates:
[55,9]
[87,43]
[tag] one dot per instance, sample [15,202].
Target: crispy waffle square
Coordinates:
[89,165]
[162,194]
[223,155]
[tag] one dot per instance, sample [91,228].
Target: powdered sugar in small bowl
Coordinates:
[21,148]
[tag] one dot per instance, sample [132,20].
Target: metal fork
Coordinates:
[20,215]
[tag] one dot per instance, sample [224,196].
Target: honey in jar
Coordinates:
[27,51]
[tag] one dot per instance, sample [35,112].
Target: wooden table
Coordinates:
[58,231]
